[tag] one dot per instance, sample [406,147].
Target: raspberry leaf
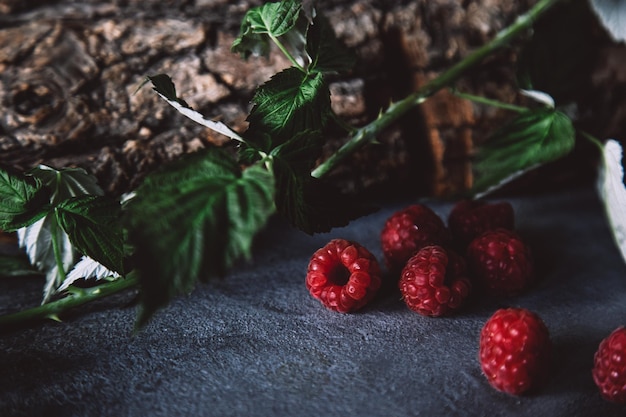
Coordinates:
[262,23]
[87,268]
[49,249]
[308,203]
[67,182]
[292,101]
[23,201]
[533,138]
[192,221]
[613,193]
[94,228]
[326,52]
[164,86]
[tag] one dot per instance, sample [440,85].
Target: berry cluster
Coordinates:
[436,267]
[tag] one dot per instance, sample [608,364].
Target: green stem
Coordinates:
[286,53]
[592,139]
[75,298]
[489,102]
[368,133]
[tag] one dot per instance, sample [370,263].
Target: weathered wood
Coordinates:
[68,73]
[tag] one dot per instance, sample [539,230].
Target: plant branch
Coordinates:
[76,297]
[368,133]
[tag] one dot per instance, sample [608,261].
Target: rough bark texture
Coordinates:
[69,71]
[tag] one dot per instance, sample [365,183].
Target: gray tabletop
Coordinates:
[257,344]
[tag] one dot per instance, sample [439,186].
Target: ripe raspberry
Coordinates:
[515,350]
[501,262]
[433,282]
[471,218]
[609,370]
[343,275]
[407,231]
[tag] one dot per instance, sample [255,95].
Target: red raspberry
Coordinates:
[433,282]
[609,370]
[471,218]
[501,262]
[343,275]
[515,350]
[409,230]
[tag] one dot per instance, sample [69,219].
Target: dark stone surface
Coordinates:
[256,343]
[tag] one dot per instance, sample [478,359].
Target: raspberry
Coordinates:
[609,370]
[407,231]
[515,350]
[433,282]
[501,262]
[471,218]
[343,275]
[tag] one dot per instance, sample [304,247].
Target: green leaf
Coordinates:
[290,102]
[23,201]
[164,86]
[262,23]
[309,204]
[67,182]
[327,54]
[192,221]
[93,224]
[533,138]
[40,239]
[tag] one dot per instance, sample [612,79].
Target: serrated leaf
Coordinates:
[93,224]
[613,193]
[87,268]
[37,239]
[193,221]
[262,22]
[531,139]
[309,204]
[612,15]
[290,102]
[164,86]
[327,54]
[67,182]
[22,201]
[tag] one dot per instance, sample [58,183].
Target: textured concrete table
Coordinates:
[256,343]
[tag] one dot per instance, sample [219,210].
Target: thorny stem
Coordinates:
[76,297]
[368,133]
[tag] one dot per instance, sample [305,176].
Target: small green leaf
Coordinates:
[93,224]
[40,239]
[327,54]
[23,201]
[309,204]
[289,103]
[262,22]
[67,182]
[533,138]
[192,221]
[164,86]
